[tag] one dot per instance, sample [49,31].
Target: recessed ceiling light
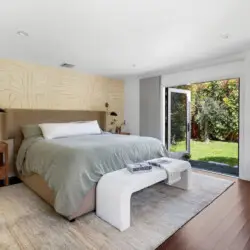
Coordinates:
[224,35]
[22,33]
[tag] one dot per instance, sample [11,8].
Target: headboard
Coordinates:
[15,118]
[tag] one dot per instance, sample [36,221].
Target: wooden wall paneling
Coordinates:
[30,86]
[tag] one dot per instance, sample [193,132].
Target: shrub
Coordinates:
[215,108]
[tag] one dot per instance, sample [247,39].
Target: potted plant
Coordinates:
[118,128]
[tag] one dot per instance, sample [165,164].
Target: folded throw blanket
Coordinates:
[173,168]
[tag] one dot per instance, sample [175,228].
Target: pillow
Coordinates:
[31,130]
[57,130]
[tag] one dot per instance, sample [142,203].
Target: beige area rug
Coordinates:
[26,222]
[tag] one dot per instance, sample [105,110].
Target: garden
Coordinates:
[215,122]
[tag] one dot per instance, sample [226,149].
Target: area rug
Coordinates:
[27,222]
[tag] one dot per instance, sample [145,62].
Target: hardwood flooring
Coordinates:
[224,225]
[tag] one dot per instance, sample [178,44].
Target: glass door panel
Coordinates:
[179,120]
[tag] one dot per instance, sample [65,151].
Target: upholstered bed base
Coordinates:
[40,187]
[11,125]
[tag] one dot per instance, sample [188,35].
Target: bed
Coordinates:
[65,171]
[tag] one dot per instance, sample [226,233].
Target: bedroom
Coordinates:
[67,64]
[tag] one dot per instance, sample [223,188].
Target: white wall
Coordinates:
[132,105]
[150,107]
[221,71]
[245,120]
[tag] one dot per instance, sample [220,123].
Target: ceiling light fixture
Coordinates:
[22,33]
[224,35]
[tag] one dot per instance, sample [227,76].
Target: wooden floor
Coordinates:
[224,225]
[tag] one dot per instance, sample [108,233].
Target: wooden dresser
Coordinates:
[4,163]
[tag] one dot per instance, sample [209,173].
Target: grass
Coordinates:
[218,151]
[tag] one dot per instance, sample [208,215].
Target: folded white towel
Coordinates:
[173,175]
[159,161]
[173,170]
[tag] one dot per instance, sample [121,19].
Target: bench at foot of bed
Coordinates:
[114,191]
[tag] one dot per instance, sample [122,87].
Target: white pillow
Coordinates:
[56,130]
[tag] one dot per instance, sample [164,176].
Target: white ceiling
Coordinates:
[123,37]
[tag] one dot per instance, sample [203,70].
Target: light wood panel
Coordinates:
[30,86]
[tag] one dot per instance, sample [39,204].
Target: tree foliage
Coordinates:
[208,110]
[178,117]
[215,109]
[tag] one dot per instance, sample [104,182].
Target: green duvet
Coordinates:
[72,166]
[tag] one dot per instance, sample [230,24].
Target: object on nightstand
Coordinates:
[118,128]
[113,115]
[4,163]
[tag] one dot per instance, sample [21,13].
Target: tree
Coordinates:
[208,111]
[225,93]
[178,118]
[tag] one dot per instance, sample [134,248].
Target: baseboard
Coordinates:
[214,167]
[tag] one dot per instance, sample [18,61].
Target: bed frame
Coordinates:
[15,118]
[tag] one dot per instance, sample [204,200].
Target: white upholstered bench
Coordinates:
[114,191]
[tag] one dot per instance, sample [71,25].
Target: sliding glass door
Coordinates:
[178,120]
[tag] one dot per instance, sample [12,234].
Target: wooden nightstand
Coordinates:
[4,163]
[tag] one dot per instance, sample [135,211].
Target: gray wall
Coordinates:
[150,107]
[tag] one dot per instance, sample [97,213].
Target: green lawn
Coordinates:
[224,152]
